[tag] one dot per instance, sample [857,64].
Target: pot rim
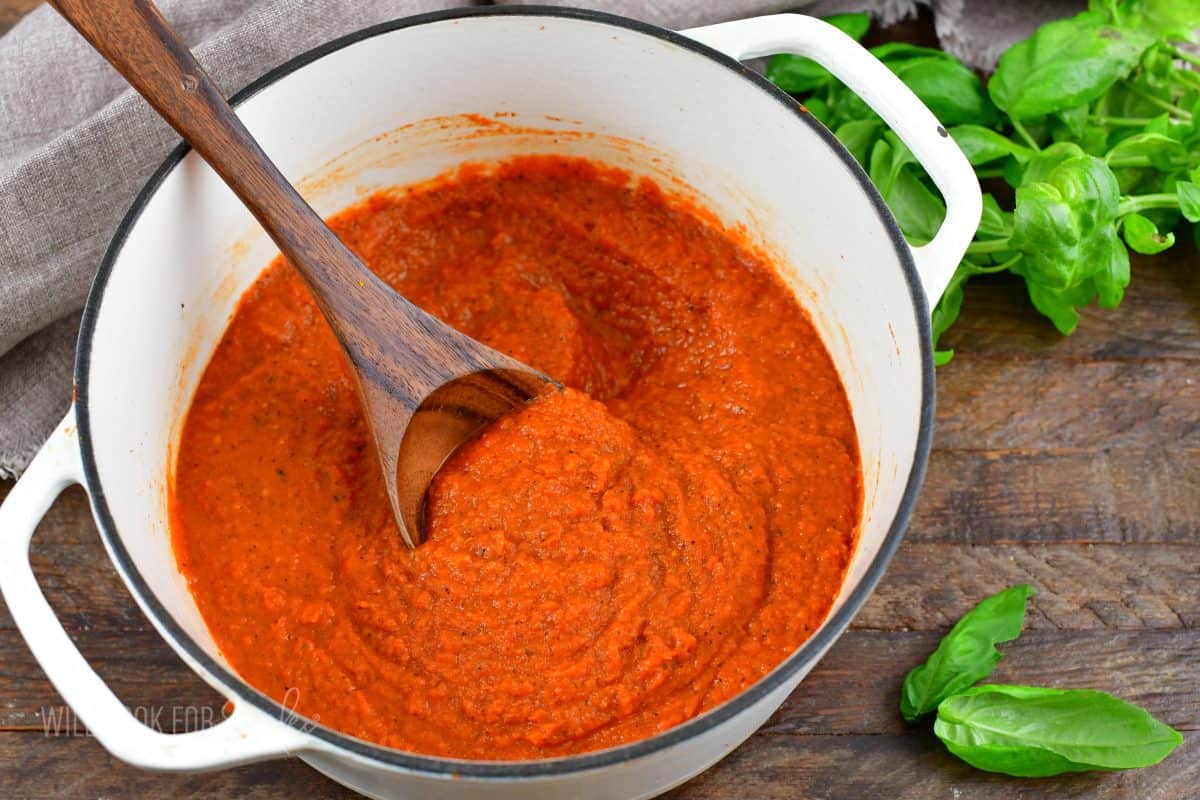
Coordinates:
[806,654]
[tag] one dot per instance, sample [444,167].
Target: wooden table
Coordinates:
[1073,464]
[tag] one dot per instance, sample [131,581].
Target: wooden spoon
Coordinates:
[425,387]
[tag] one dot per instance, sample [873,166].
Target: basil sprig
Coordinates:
[1093,121]
[1024,731]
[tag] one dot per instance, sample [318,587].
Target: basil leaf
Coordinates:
[1189,200]
[1047,160]
[983,146]
[858,136]
[967,653]
[952,92]
[1110,265]
[1147,149]
[797,74]
[1094,140]
[917,210]
[1158,63]
[1090,187]
[895,52]
[888,157]
[819,109]
[1073,121]
[1143,237]
[1123,101]
[1063,226]
[1066,63]
[1176,20]
[1047,230]
[1012,171]
[995,222]
[846,106]
[1160,125]
[853,25]
[1033,733]
[1058,305]
[944,315]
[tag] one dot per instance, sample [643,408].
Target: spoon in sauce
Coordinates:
[425,387]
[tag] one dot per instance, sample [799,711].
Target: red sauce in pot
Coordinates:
[600,566]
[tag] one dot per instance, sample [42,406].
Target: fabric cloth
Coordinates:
[76,145]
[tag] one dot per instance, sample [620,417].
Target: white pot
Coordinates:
[662,103]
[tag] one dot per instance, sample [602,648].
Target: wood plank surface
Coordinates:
[1080,588]
[11,12]
[1078,495]
[766,767]
[1040,405]
[914,767]
[1069,463]
[1157,321]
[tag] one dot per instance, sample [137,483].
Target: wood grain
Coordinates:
[766,767]
[915,767]
[1096,405]
[137,665]
[37,767]
[1080,588]
[1084,495]
[11,12]
[1159,319]
[1071,463]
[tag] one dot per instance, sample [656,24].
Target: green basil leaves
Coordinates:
[967,654]
[1094,124]
[1143,236]
[1033,733]
[1066,63]
[1024,731]
[952,91]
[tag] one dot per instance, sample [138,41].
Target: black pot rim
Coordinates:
[803,657]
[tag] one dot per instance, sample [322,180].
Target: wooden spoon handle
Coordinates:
[147,51]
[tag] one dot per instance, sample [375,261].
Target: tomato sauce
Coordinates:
[601,565]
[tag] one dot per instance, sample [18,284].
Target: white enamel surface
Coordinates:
[357,120]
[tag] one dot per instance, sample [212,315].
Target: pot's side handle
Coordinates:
[893,101]
[247,735]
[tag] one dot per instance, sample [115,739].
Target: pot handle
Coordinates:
[248,734]
[887,95]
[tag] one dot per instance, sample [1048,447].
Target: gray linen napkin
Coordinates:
[76,146]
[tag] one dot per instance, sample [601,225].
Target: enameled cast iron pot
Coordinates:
[383,107]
